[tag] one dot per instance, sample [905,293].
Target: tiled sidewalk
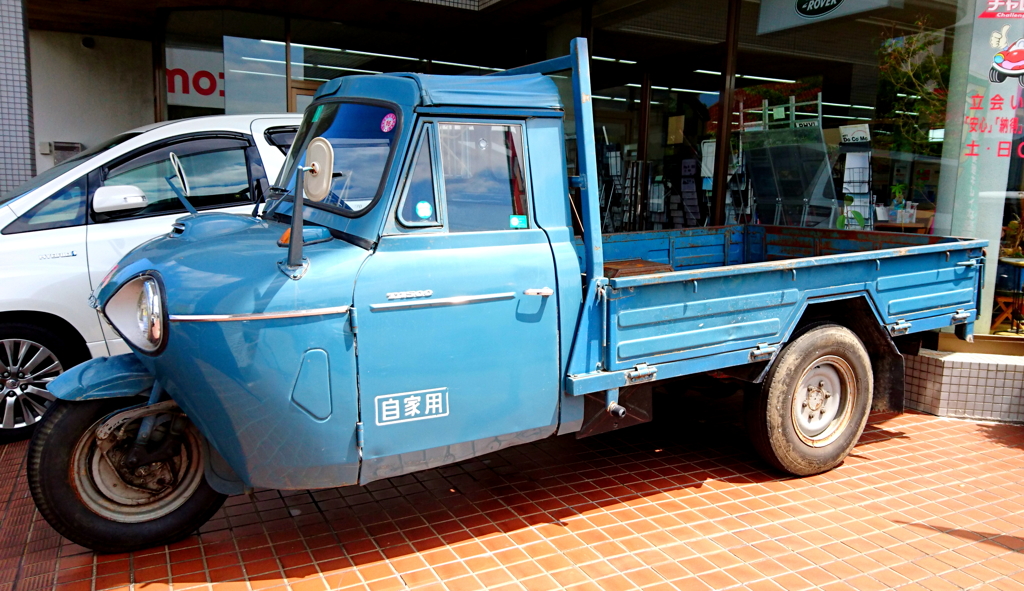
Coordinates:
[923,503]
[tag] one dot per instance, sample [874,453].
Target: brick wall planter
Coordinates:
[966,385]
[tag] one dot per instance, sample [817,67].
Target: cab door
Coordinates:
[457,338]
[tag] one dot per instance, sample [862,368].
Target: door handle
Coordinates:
[543,292]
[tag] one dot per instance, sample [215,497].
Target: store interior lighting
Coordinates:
[383,55]
[748,77]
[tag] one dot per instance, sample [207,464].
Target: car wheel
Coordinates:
[30,357]
[95,493]
[814,403]
[995,75]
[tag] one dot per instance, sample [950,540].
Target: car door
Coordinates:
[219,172]
[44,254]
[457,322]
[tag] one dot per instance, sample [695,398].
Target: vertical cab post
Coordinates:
[588,346]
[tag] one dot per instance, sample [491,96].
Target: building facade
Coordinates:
[890,115]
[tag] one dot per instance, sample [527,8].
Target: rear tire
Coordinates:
[78,489]
[30,357]
[814,403]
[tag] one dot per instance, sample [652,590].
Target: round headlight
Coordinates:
[999,59]
[136,313]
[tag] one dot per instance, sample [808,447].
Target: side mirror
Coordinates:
[320,173]
[180,173]
[118,198]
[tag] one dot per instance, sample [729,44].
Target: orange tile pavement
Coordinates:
[683,503]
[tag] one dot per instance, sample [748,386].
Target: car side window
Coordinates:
[484,177]
[63,209]
[419,205]
[215,168]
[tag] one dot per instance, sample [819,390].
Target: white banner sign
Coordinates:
[195,78]
[779,15]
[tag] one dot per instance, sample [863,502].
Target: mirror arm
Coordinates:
[296,239]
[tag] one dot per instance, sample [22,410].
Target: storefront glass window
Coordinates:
[254,76]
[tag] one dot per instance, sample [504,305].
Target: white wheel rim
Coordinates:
[823,400]
[105,493]
[26,367]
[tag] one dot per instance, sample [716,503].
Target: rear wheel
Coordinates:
[109,495]
[813,406]
[30,357]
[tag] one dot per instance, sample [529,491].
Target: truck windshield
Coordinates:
[56,171]
[362,137]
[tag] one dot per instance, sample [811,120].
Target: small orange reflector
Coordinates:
[286,237]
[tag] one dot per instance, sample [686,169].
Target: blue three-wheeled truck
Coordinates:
[428,301]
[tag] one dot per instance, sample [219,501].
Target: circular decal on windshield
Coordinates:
[388,122]
[424,210]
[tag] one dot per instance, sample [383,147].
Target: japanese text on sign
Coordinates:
[411,406]
[981,126]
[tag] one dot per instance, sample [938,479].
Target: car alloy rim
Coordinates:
[823,400]
[99,478]
[25,369]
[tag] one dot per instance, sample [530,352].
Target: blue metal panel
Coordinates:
[688,314]
[103,377]
[235,379]
[551,209]
[312,391]
[496,357]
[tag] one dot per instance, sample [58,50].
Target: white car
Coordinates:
[63,231]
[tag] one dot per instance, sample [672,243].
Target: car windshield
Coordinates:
[1017,46]
[362,137]
[48,175]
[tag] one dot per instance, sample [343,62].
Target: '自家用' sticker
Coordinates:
[388,122]
[424,210]
[517,221]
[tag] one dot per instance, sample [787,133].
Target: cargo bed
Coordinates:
[737,292]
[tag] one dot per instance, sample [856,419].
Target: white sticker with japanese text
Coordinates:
[391,409]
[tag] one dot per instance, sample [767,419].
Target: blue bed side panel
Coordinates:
[710,309]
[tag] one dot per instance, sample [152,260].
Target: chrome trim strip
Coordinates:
[452,301]
[258,315]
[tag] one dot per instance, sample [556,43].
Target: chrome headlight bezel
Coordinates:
[138,313]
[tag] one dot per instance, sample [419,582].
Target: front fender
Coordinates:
[120,376]
[124,376]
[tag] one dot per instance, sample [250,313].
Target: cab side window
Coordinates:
[63,209]
[419,206]
[484,177]
[216,170]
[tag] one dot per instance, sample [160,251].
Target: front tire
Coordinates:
[82,488]
[995,75]
[814,403]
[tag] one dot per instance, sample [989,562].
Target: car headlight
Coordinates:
[998,59]
[136,311]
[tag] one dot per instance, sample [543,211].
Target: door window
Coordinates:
[419,207]
[484,178]
[64,209]
[215,168]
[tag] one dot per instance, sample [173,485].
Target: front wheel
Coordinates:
[110,495]
[813,406]
[995,75]
[30,357]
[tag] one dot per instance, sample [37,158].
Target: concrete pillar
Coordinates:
[17,145]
